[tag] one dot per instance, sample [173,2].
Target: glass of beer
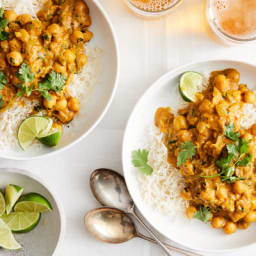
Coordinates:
[152,8]
[233,20]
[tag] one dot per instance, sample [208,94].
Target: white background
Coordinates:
[149,48]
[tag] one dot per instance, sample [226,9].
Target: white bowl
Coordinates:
[47,236]
[102,94]
[193,234]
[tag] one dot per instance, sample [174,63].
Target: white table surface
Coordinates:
[149,48]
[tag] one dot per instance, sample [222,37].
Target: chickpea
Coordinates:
[81,8]
[187,169]
[243,88]
[230,228]
[202,127]
[57,67]
[54,29]
[77,37]
[250,217]
[88,35]
[206,106]
[222,193]
[10,15]
[250,97]
[180,122]
[253,130]
[185,135]
[243,225]
[15,58]
[207,195]
[49,104]
[81,61]
[218,222]
[24,19]
[186,195]
[190,212]
[73,104]
[5,46]
[61,104]
[22,35]
[239,187]
[15,45]
[221,83]
[69,56]
[233,75]
[65,116]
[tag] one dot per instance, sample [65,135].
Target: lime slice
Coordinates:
[31,128]
[22,222]
[52,139]
[12,194]
[7,240]
[190,84]
[2,204]
[32,202]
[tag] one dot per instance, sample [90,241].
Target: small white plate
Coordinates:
[101,96]
[48,234]
[193,234]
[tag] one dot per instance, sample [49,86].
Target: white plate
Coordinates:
[101,96]
[193,234]
[48,234]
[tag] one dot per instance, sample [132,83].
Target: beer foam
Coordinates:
[153,5]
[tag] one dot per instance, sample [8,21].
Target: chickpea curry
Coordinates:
[214,153]
[39,57]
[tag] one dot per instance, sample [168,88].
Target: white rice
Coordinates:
[249,117]
[80,87]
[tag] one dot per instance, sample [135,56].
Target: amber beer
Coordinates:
[236,18]
[152,5]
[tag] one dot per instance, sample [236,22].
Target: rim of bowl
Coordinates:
[146,13]
[221,33]
[152,87]
[54,196]
[110,100]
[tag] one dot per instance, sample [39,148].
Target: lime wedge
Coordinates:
[7,240]
[22,222]
[52,139]
[32,202]
[190,84]
[2,204]
[31,128]
[12,194]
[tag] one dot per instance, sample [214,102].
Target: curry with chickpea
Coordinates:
[214,153]
[39,57]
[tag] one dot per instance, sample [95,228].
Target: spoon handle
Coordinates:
[157,240]
[170,247]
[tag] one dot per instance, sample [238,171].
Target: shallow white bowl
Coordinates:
[101,96]
[193,234]
[46,238]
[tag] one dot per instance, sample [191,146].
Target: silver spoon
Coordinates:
[109,189]
[114,226]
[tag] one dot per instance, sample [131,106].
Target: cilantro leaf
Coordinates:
[2,80]
[25,74]
[203,214]
[243,146]
[232,149]
[187,151]
[3,23]
[23,90]
[1,101]
[230,133]
[4,35]
[224,161]
[1,12]
[245,161]
[140,160]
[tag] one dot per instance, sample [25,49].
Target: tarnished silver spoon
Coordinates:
[110,189]
[114,226]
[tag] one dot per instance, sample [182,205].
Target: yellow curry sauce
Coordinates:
[220,177]
[39,57]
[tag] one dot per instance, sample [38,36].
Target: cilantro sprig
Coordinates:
[1,101]
[3,23]
[140,160]
[203,213]
[230,132]
[2,80]
[187,151]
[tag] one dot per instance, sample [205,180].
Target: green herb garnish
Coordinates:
[187,151]
[1,12]
[2,80]
[3,23]
[140,160]
[230,133]
[1,101]
[4,35]
[25,74]
[203,214]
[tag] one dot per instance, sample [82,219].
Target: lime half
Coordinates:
[12,194]
[52,139]
[2,204]
[21,222]
[190,84]
[31,128]
[7,240]
[32,202]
